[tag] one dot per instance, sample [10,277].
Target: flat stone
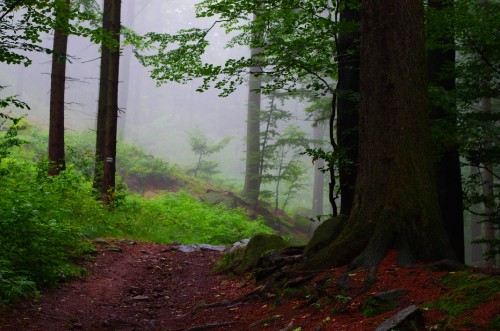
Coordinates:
[391,295]
[198,247]
[409,318]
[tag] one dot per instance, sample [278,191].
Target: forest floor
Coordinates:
[143,286]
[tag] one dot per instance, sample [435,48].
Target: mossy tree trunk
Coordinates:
[251,187]
[102,101]
[57,90]
[347,104]
[395,203]
[109,174]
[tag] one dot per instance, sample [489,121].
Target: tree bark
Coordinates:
[440,64]
[348,107]
[57,91]
[395,203]
[102,101]
[108,191]
[251,188]
[488,191]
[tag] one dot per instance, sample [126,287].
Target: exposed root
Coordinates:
[227,303]
[208,326]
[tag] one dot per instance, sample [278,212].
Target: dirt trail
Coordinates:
[137,286]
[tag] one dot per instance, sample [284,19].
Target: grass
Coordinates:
[47,223]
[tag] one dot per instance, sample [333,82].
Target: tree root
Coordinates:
[227,303]
[208,326]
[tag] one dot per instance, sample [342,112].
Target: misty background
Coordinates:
[157,118]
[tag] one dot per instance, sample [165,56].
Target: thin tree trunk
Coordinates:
[251,188]
[102,102]
[57,91]
[108,192]
[476,228]
[440,65]
[125,65]
[319,176]
[488,183]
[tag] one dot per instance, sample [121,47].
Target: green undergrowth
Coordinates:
[468,290]
[47,223]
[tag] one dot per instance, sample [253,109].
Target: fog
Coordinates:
[155,117]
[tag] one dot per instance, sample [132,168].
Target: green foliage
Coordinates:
[39,217]
[13,286]
[282,165]
[202,147]
[373,306]
[295,38]
[183,218]
[46,221]
[469,290]
[24,23]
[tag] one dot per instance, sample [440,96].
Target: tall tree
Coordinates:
[57,88]
[108,182]
[319,176]
[441,63]
[102,99]
[395,203]
[251,187]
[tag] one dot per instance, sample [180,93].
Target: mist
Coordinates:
[157,118]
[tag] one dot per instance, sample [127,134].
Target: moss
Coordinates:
[469,290]
[325,234]
[243,259]
[495,324]
[374,306]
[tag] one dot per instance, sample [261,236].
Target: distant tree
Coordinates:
[58,88]
[202,147]
[253,153]
[284,167]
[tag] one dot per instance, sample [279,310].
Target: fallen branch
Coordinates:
[208,326]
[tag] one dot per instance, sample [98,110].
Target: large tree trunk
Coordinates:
[102,102]
[441,62]
[57,91]
[347,107]
[395,203]
[251,188]
[108,189]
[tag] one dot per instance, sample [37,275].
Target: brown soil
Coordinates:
[138,286]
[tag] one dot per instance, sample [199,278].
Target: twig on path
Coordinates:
[208,326]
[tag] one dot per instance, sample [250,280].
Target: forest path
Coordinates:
[135,286]
[144,286]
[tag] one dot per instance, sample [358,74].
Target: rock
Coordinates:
[325,233]
[101,241]
[409,318]
[233,247]
[447,265]
[198,247]
[391,295]
[219,198]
